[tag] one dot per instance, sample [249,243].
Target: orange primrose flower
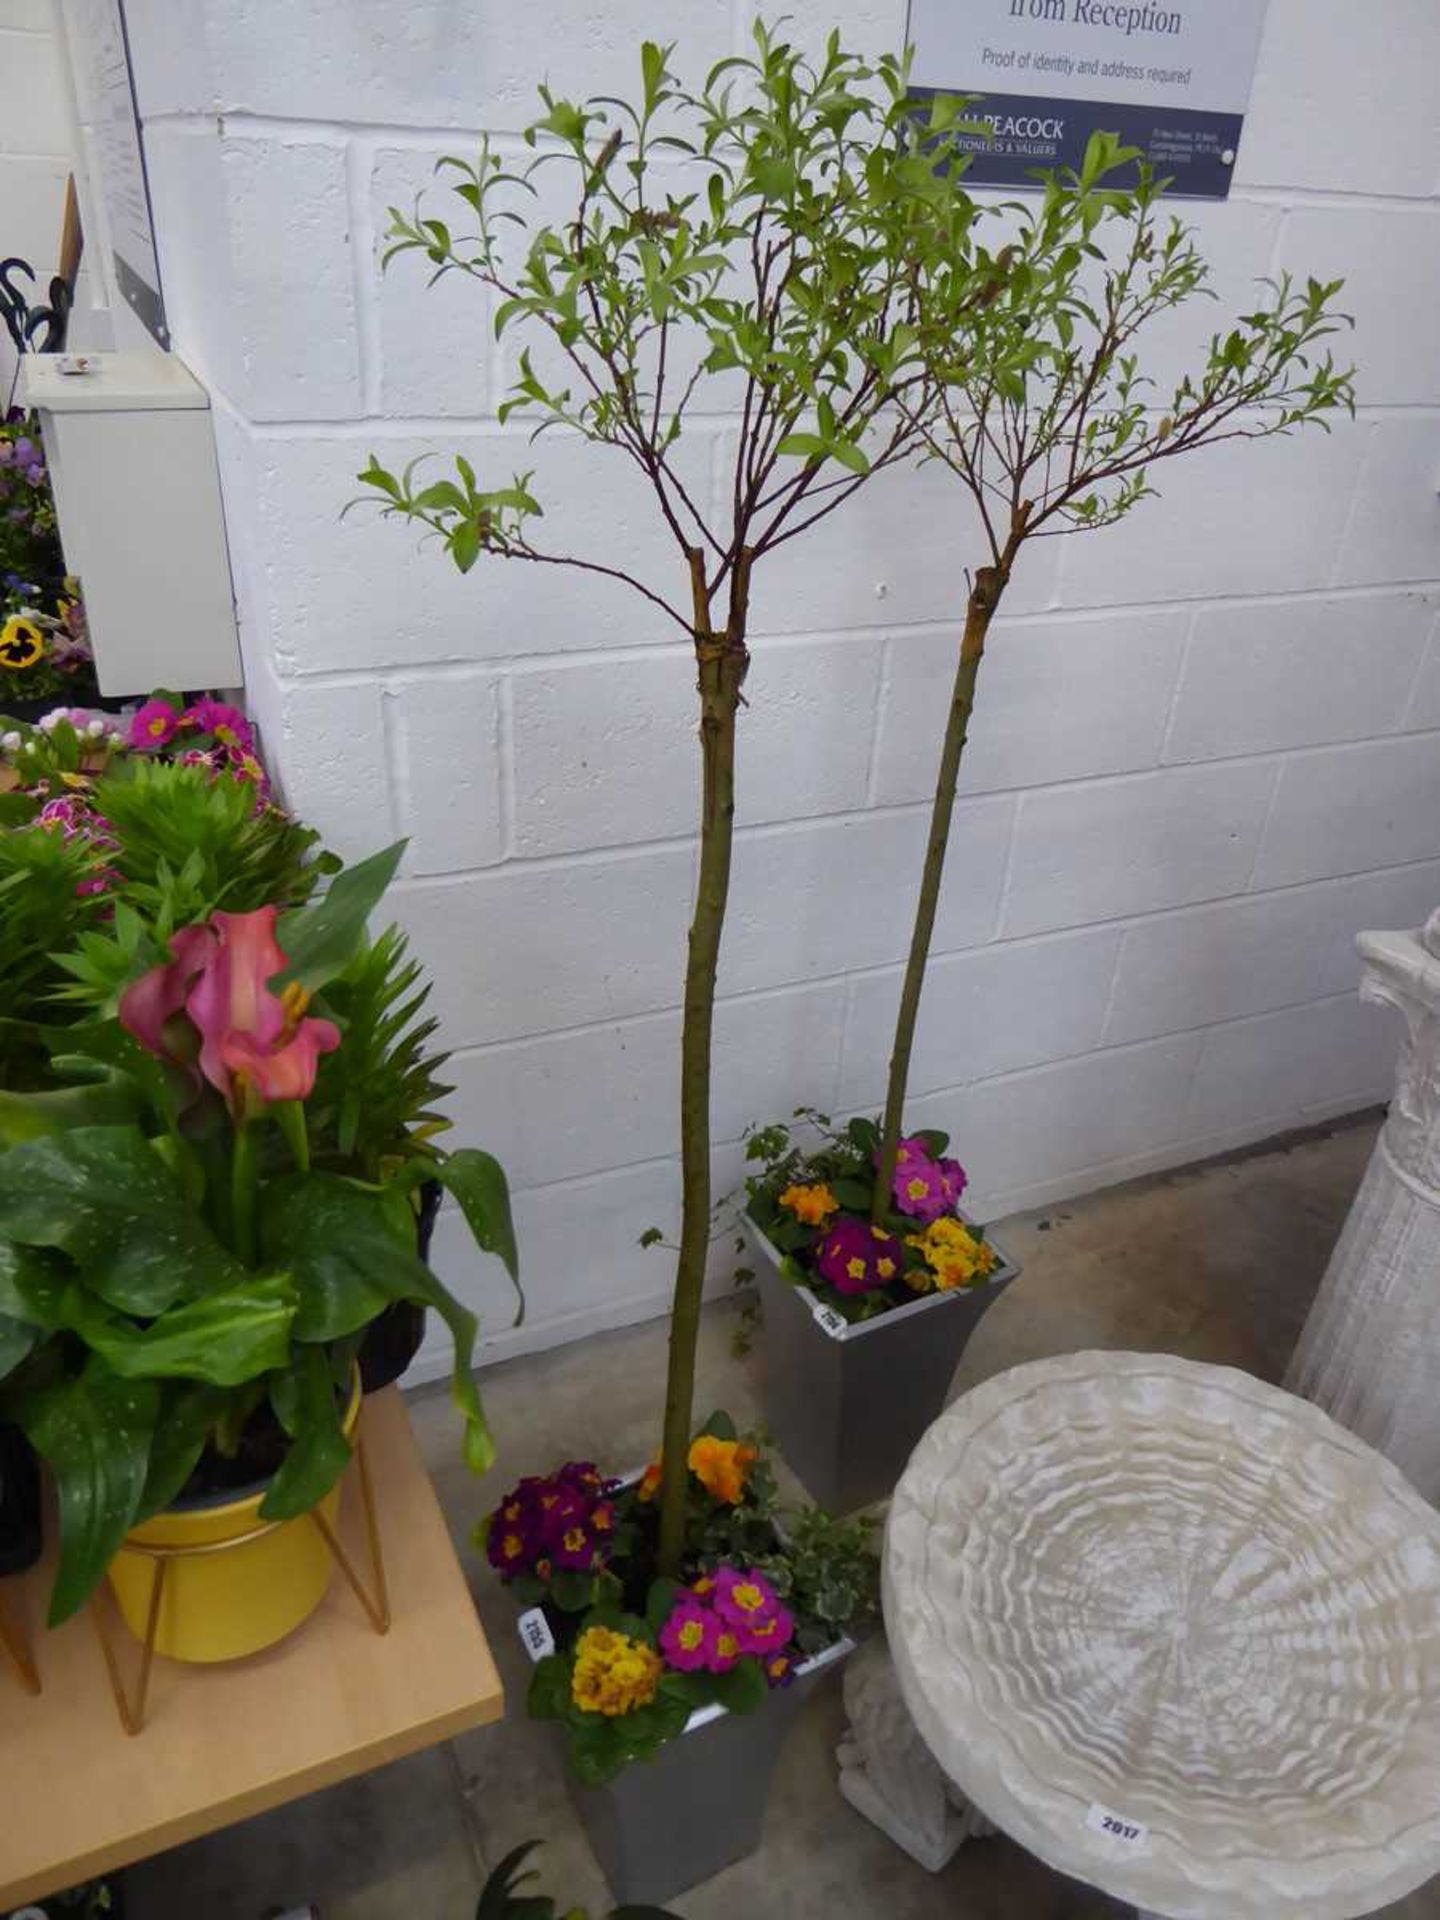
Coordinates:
[722,1466]
[811,1205]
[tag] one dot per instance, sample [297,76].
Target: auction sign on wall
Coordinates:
[1171,77]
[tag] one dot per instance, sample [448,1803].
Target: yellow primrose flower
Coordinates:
[953,1254]
[812,1205]
[22,643]
[613,1673]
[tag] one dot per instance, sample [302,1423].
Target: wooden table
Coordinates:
[79,1797]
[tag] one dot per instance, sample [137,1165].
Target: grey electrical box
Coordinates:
[130,444]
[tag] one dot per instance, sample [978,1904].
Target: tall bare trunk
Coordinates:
[722,659]
[980,610]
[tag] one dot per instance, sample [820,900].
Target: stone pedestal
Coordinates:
[1370,1350]
[889,1774]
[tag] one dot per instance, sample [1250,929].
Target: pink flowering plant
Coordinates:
[864,1254]
[759,1593]
[189,1253]
[154,840]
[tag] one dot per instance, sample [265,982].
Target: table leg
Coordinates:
[12,1639]
[887,1772]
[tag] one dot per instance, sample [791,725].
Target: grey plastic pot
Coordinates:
[666,1824]
[846,1404]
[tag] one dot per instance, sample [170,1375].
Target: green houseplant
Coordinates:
[183,1283]
[1040,408]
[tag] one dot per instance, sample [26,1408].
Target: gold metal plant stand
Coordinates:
[375,1601]
[12,1639]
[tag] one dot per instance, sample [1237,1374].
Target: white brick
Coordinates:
[1243,517]
[1276,1067]
[35,120]
[1394,897]
[1056,700]
[1249,956]
[1346,809]
[1297,673]
[1131,846]
[576,1104]
[1424,709]
[1020,1133]
[446,735]
[868,27]
[570,1295]
[894,553]
[331,757]
[257,246]
[818,900]
[392,62]
[369,592]
[607,753]
[990,1012]
[1394,531]
[1390,263]
[1317,51]
[525,950]
[433,338]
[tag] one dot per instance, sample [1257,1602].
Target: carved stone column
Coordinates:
[889,1774]
[1370,1350]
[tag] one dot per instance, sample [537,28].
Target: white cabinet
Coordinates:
[131,449]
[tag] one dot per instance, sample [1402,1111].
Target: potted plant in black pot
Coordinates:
[186,1285]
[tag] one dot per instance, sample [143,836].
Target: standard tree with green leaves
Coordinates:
[766,239]
[1037,402]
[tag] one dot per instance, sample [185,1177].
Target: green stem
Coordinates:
[984,598]
[722,662]
[244,1184]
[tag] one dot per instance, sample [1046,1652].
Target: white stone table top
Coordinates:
[1130,1585]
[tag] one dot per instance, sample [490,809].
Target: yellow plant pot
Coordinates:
[221,1601]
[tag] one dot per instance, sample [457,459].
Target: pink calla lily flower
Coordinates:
[253,1044]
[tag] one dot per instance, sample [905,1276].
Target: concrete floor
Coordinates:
[1218,1263]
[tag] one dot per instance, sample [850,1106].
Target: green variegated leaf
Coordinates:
[222,1340]
[94,1431]
[101,1195]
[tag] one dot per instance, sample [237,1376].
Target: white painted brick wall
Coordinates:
[1207,746]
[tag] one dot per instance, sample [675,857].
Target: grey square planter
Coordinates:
[847,1404]
[666,1824]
